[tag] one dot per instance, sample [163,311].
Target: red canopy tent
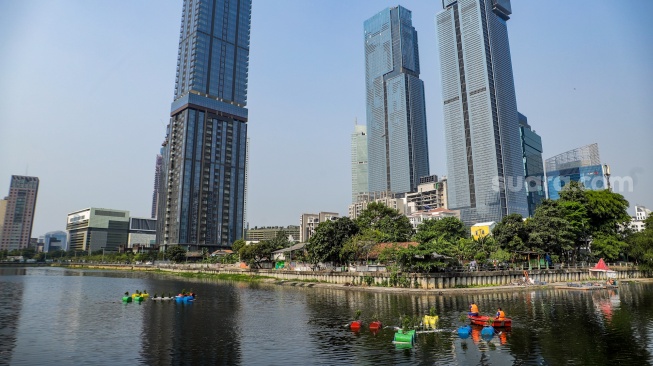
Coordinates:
[601,270]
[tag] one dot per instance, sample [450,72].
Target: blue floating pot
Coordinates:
[487,332]
[464,331]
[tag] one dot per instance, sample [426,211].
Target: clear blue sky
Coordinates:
[86,87]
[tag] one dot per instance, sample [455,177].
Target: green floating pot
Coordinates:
[405,337]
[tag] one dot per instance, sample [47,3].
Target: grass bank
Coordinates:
[221,276]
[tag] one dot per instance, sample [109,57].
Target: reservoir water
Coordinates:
[56,316]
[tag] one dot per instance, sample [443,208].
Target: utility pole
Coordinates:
[606,172]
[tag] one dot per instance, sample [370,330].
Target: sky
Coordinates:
[86,87]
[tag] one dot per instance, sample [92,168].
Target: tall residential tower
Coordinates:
[19,212]
[202,193]
[396,115]
[359,185]
[484,155]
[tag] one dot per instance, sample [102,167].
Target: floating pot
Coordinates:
[404,337]
[464,331]
[376,325]
[430,321]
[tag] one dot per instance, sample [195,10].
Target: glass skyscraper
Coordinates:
[581,165]
[202,193]
[484,155]
[359,174]
[396,116]
[531,144]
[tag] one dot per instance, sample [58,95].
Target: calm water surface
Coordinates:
[54,316]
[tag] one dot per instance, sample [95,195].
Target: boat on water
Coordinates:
[483,320]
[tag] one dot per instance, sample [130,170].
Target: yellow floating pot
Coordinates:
[430,321]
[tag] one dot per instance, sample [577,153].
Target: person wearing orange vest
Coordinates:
[473,309]
[500,314]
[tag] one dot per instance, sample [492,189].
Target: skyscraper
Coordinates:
[359,173]
[202,194]
[19,212]
[157,184]
[484,156]
[531,144]
[396,115]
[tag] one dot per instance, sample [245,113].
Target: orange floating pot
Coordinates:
[376,325]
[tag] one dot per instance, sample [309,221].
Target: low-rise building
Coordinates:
[398,202]
[482,229]
[416,218]
[641,213]
[431,194]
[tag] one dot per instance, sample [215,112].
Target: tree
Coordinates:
[511,233]
[329,237]
[640,246]
[358,246]
[607,211]
[176,253]
[394,226]
[280,240]
[449,229]
[549,231]
[607,246]
[255,254]
[237,245]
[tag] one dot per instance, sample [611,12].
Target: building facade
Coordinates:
[531,144]
[94,229]
[431,194]
[157,184]
[582,165]
[142,232]
[202,191]
[397,202]
[359,171]
[269,233]
[418,217]
[641,213]
[55,240]
[19,212]
[308,222]
[396,115]
[484,155]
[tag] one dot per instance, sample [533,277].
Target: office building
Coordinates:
[484,155]
[94,229]
[157,184]
[582,165]
[308,222]
[19,212]
[55,240]
[359,173]
[531,144]
[202,191]
[397,143]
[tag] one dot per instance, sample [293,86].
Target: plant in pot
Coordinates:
[375,324]
[464,330]
[356,323]
[488,330]
[431,320]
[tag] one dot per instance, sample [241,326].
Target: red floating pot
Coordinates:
[376,325]
[356,324]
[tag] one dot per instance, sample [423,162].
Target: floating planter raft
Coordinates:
[184,299]
[126,299]
[430,321]
[487,331]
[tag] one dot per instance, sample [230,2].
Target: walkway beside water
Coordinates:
[440,282]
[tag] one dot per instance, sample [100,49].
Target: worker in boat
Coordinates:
[500,314]
[473,309]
